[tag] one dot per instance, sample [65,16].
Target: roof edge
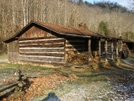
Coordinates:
[24,29]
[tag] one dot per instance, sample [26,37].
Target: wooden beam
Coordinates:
[112,50]
[120,45]
[99,48]
[117,50]
[89,51]
[105,50]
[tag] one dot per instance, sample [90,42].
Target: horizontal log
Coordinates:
[73,49]
[42,42]
[40,57]
[43,39]
[32,52]
[75,40]
[41,47]
[75,45]
[41,63]
[53,45]
[48,60]
[7,86]
[58,54]
[39,50]
[4,92]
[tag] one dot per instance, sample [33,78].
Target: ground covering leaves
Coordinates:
[105,82]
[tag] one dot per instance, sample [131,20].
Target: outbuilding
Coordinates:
[44,43]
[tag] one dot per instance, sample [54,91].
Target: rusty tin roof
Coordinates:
[59,29]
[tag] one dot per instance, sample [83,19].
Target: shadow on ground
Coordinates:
[51,97]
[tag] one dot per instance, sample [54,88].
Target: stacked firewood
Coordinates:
[76,58]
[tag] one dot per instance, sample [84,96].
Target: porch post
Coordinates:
[112,48]
[89,51]
[106,50]
[65,54]
[120,48]
[100,48]
[133,48]
[117,50]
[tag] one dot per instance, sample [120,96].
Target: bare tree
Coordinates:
[15,14]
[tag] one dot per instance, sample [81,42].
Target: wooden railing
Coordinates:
[15,86]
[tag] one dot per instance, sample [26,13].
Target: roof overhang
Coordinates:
[32,23]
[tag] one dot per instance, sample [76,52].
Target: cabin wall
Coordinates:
[35,32]
[13,52]
[42,51]
[41,46]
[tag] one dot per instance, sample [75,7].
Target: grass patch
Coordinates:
[3,56]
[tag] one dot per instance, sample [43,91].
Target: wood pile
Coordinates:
[75,58]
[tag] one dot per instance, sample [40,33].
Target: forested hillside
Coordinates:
[106,18]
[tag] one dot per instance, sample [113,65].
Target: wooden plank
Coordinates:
[40,40]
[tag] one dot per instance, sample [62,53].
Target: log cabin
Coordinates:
[44,43]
